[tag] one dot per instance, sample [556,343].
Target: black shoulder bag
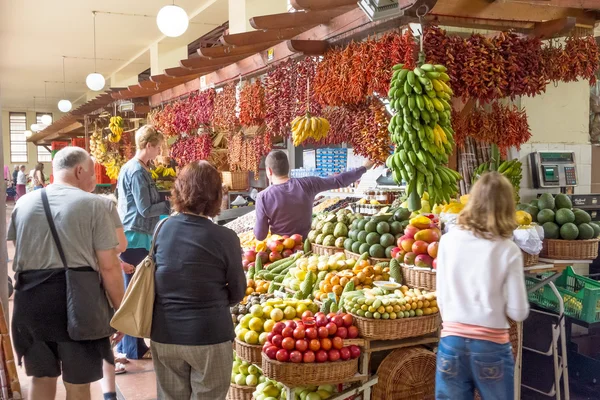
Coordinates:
[88,310]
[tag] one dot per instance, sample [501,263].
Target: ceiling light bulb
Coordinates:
[95,81]
[37,127]
[46,119]
[172,21]
[28,134]
[64,106]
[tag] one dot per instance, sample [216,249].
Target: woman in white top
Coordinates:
[480,285]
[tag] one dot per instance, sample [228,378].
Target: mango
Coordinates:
[427,235]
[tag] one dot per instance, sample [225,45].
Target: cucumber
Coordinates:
[307,247]
[258,266]
[278,263]
[364,256]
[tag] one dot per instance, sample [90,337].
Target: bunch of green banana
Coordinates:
[511,169]
[422,132]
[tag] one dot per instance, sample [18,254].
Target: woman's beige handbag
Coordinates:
[134,317]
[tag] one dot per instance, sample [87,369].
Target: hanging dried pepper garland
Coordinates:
[370,136]
[201,107]
[578,58]
[252,104]
[246,151]
[191,148]
[224,116]
[279,90]
[303,76]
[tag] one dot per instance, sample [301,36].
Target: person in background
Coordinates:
[39,180]
[15,174]
[480,285]
[286,205]
[140,208]
[21,182]
[191,332]
[39,323]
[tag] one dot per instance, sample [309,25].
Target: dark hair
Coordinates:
[198,190]
[278,162]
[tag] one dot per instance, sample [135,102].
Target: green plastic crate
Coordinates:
[581,295]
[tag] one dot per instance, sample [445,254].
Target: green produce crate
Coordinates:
[581,295]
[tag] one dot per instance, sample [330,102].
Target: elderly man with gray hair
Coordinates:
[60,232]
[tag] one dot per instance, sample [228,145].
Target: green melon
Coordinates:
[596,227]
[386,240]
[373,238]
[383,227]
[362,237]
[356,247]
[364,248]
[551,230]
[377,251]
[582,217]
[546,202]
[569,231]
[348,244]
[563,201]
[545,216]
[534,203]
[586,231]
[371,226]
[361,224]
[564,216]
[396,228]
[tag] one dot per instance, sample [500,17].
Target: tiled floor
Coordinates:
[139,383]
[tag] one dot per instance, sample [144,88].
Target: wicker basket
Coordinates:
[570,249]
[237,392]
[236,180]
[325,250]
[248,352]
[301,374]
[530,259]
[407,373]
[392,329]
[420,279]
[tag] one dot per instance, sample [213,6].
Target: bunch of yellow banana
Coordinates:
[164,172]
[116,129]
[307,126]
[421,131]
[112,169]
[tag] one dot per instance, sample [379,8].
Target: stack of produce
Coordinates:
[329,229]
[511,169]
[269,390]
[254,327]
[309,272]
[377,235]
[308,126]
[313,339]
[419,244]
[239,310]
[422,132]
[275,248]
[425,205]
[561,221]
[402,303]
[334,204]
[245,374]
[257,286]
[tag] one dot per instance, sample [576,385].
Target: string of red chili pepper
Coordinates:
[192,148]
[224,116]
[303,74]
[370,137]
[201,107]
[252,104]
[278,99]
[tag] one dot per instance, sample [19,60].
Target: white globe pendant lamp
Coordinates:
[95,81]
[172,21]
[28,134]
[46,119]
[64,105]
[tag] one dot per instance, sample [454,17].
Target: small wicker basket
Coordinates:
[570,249]
[237,392]
[530,260]
[325,250]
[407,373]
[301,374]
[420,279]
[388,329]
[248,352]
[237,180]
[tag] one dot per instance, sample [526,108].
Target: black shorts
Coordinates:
[78,362]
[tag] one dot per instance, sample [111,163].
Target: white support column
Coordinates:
[240,12]
[164,55]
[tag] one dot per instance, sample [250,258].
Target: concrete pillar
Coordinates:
[165,55]
[240,12]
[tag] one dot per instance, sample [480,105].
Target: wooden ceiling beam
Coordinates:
[575,4]
[296,19]
[228,51]
[556,27]
[201,63]
[316,5]
[308,47]
[181,72]
[250,38]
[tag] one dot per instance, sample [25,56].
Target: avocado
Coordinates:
[383,227]
[564,216]
[387,239]
[396,228]
[582,217]
[402,214]
[545,216]
[377,251]
[348,244]
[371,226]
[569,231]
[362,236]
[364,248]
[361,224]
[356,247]
[546,202]
[563,201]
[522,207]
[551,230]
[596,227]
[388,251]
[373,238]
[533,211]
[534,203]
[586,231]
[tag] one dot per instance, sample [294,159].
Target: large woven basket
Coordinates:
[530,260]
[392,329]
[301,374]
[236,180]
[419,279]
[248,352]
[570,249]
[407,373]
[237,392]
[325,250]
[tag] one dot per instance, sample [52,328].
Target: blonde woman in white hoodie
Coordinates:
[480,285]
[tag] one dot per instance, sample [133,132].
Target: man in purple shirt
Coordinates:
[286,205]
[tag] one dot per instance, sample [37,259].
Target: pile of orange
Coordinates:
[363,274]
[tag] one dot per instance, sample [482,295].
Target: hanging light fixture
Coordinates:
[28,134]
[95,81]
[46,118]
[33,126]
[172,20]
[64,105]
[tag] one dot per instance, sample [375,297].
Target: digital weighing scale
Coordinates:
[553,169]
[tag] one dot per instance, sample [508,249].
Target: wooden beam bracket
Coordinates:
[308,47]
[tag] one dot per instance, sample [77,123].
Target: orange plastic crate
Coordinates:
[101,177]
[56,145]
[78,142]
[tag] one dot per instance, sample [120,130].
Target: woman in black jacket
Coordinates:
[199,275]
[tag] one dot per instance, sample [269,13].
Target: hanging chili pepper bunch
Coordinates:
[578,58]
[201,107]
[246,151]
[279,90]
[370,136]
[252,104]
[304,77]
[339,131]
[235,147]
[505,126]
[191,148]
[164,120]
[224,113]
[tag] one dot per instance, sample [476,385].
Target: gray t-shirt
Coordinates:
[85,223]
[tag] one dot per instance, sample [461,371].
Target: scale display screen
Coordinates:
[566,157]
[550,174]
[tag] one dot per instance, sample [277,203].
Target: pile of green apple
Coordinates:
[314,392]
[269,390]
[245,374]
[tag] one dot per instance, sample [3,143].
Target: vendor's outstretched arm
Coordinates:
[344,179]
[261,228]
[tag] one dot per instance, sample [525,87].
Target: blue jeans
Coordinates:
[464,365]
[133,348]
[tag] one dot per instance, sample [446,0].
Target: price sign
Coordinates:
[271,54]
[203,82]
